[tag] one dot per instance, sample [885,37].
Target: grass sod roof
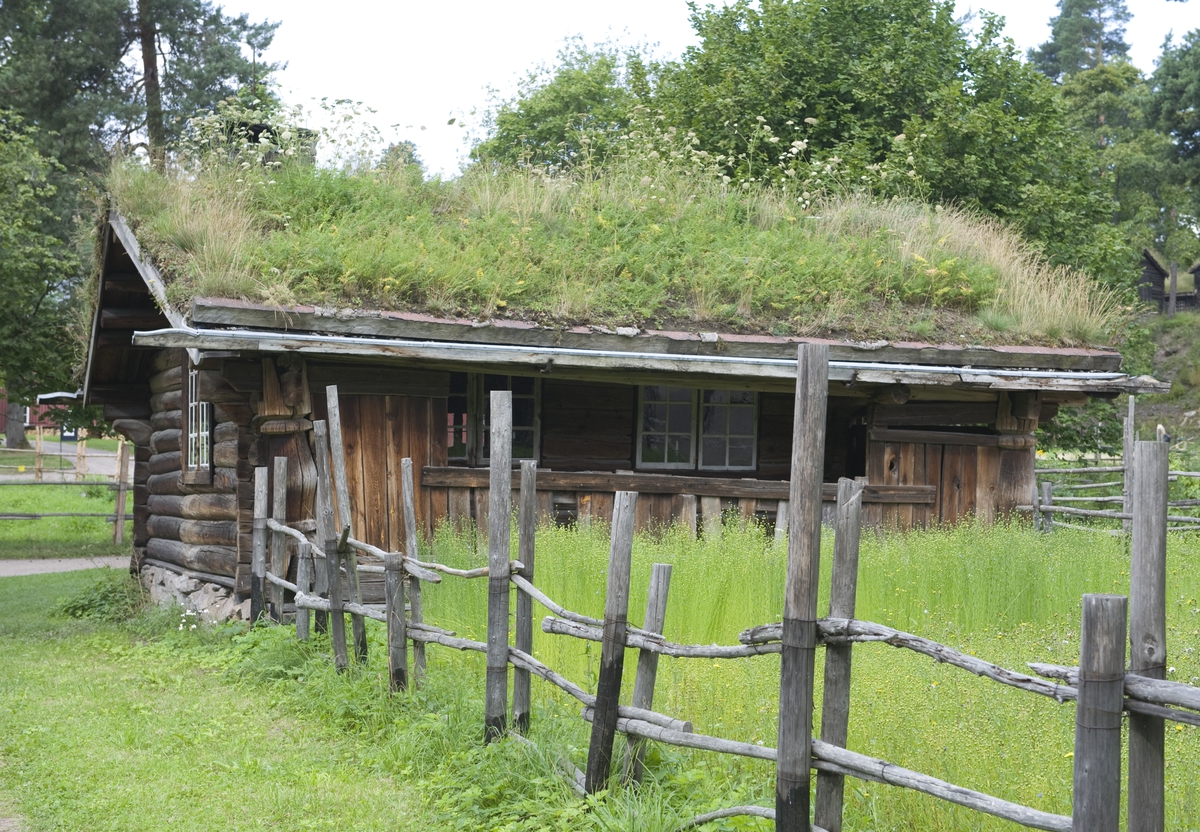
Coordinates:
[650,245]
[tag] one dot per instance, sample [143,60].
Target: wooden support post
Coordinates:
[710,508]
[258,551]
[1148,631]
[397,628]
[1097,796]
[526,530]
[499,520]
[37,454]
[1047,500]
[612,651]
[304,567]
[835,707]
[688,508]
[122,491]
[1128,455]
[337,619]
[647,666]
[1173,290]
[410,548]
[326,524]
[798,659]
[781,523]
[343,506]
[278,539]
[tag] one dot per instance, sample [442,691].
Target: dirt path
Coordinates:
[39,566]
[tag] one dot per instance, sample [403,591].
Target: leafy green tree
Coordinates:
[1175,105]
[1084,34]
[588,91]
[36,270]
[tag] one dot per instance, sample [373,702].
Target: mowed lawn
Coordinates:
[61,537]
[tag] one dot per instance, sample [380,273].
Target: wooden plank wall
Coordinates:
[586,426]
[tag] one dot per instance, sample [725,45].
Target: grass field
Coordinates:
[57,537]
[205,727]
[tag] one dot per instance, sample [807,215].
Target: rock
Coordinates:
[211,602]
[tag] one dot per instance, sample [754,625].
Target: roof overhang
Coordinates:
[752,370]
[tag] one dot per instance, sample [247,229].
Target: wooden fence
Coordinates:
[119,483]
[327,573]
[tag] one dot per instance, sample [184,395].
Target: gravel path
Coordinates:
[39,566]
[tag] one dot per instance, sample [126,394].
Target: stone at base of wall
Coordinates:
[209,601]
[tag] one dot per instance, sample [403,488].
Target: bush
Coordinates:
[113,596]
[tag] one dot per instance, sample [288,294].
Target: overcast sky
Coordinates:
[423,63]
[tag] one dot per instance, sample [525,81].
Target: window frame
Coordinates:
[477,400]
[753,466]
[193,410]
[641,414]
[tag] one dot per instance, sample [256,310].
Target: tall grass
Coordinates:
[653,236]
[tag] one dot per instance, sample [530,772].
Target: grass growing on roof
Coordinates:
[652,236]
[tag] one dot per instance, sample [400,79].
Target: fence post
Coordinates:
[258,550]
[612,650]
[337,619]
[37,454]
[304,584]
[1128,462]
[647,666]
[278,541]
[526,530]
[410,549]
[1097,796]
[1047,501]
[499,521]
[397,627]
[122,490]
[343,504]
[1148,631]
[835,707]
[781,523]
[797,664]
[326,524]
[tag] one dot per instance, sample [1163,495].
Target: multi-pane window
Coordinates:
[680,427]
[197,432]
[667,425]
[727,422]
[468,416]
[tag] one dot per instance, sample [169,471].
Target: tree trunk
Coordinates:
[154,111]
[14,425]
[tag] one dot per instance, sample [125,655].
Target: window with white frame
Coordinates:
[685,428]
[468,416]
[197,431]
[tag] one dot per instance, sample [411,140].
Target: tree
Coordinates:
[1175,105]
[36,270]
[1084,35]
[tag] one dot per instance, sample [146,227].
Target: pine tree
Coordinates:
[1084,35]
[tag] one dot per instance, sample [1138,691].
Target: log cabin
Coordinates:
[699,423]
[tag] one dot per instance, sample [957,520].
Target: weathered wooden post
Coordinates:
[1173,290]
[278,541]
[122,490]
[343,506]
[304,566]
[1047,502]
[526,529]
[1128,454]
[410,549]
[397,627]
[797,665]
[331,544]
[326,523]
[337,619]
[499,520]
[37,454]
[1097,796]
[835,706]
[612,651]
[258,550]
[1148,631]
[781,523]
[647,666]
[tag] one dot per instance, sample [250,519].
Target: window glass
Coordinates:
[727,429]
[667,426]
[456,417]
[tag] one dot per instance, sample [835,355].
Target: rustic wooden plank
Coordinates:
[337,619]
[278,541]
[304,567]
[603,505]
[439,503]
[612,651]
[372,431]
[397,634]
[906,475]
[684,507]
[710,510]
[1097,781]
[647,666]
[987,484]
[643,514]
[259,554]
[1148,631]
[417,426]
[835,703]
[217,560]
[325,514]
[970,479]
[341,466]
[408,496]
[459,500]
[499,512]
[800,595]
[394,452]
[527,520]
[891,474]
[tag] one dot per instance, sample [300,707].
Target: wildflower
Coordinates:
[810,120]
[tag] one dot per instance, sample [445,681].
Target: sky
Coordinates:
[420,64]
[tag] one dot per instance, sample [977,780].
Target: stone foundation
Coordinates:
[209,601]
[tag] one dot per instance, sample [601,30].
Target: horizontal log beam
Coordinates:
[452,477]
[217,560]
[195,506]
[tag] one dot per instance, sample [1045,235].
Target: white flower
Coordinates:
[810,120]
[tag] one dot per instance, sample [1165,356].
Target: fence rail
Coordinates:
[1099,693]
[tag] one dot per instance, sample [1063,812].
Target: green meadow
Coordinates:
[103,717]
